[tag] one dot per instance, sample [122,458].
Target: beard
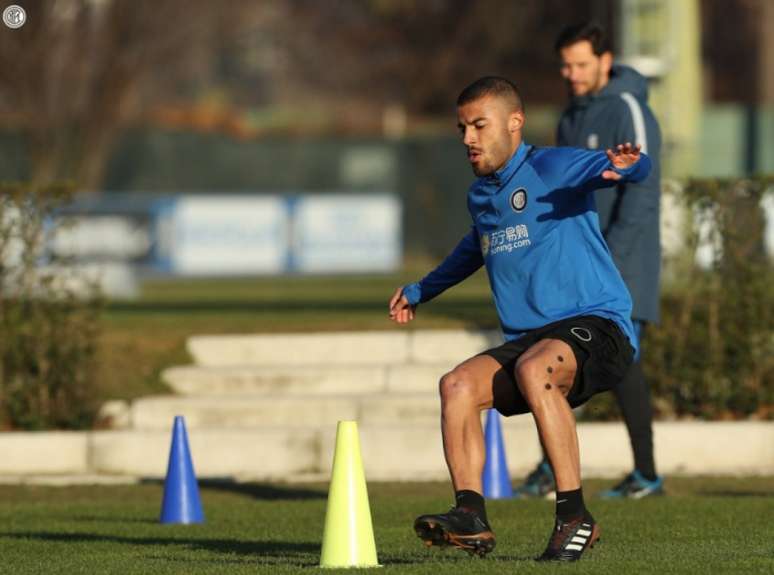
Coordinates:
[482,169]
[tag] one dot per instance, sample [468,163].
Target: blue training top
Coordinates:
[535,226]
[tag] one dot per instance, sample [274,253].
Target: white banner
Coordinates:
[225,235]
[114,237]
[347,233]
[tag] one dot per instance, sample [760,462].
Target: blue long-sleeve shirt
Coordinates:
[536,229]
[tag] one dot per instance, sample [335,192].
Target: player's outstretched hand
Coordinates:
[622,157]
[401,311]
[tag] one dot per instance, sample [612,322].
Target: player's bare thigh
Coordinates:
[479,380]
[548,364]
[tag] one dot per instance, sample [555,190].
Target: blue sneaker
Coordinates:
[539,483]
[635,486]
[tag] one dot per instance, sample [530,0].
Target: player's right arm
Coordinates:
[462,262]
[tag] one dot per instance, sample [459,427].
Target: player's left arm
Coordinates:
[586,170]
[627,162]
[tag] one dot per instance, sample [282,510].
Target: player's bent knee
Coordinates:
[529,374]
[457,384]
[538,380]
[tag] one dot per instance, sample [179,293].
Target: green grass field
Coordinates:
[718,525]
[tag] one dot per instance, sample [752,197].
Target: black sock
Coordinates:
[471,500]
[569,504]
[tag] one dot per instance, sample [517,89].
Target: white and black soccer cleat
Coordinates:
[570,539]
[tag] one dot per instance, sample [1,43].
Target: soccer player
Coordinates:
[563,308]
[608,105]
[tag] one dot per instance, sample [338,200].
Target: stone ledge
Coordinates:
[44,452]
[450,346]
[310,349]
[270,453]
[288,380]
[238,412]
[303,380]
[365,348]
[390,452]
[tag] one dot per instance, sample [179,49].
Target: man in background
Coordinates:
[608,104]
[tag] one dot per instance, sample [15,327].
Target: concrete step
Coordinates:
[267,454]
[44,452]
[390,452]
[414,452]
[365,348]
[450,346]
[278,410]
[304,380]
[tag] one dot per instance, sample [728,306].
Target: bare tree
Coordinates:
[80,71]
[421,52]
[77,72]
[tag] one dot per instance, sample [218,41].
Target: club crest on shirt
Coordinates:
[484,244]
[592,143]
[519,200]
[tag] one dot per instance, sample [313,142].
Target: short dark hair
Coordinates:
[590,31]
[491,86]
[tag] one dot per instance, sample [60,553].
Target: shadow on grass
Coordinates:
[280,549]
[262,560]
[301,553]
[448,556]
[263,491]
[111,519]
[731,493]
[450,561]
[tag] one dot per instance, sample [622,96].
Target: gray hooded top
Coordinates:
[628,213]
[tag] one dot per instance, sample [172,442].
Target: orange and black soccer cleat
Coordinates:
[460,527]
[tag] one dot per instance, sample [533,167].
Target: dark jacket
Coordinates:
[628,213]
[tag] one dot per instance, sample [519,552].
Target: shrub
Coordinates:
[712,356]
[48,327]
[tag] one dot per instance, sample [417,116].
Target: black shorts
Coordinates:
[602,352]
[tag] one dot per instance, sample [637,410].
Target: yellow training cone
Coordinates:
[348,540]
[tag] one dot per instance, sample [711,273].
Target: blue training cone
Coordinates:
[181,492]
[497,482]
